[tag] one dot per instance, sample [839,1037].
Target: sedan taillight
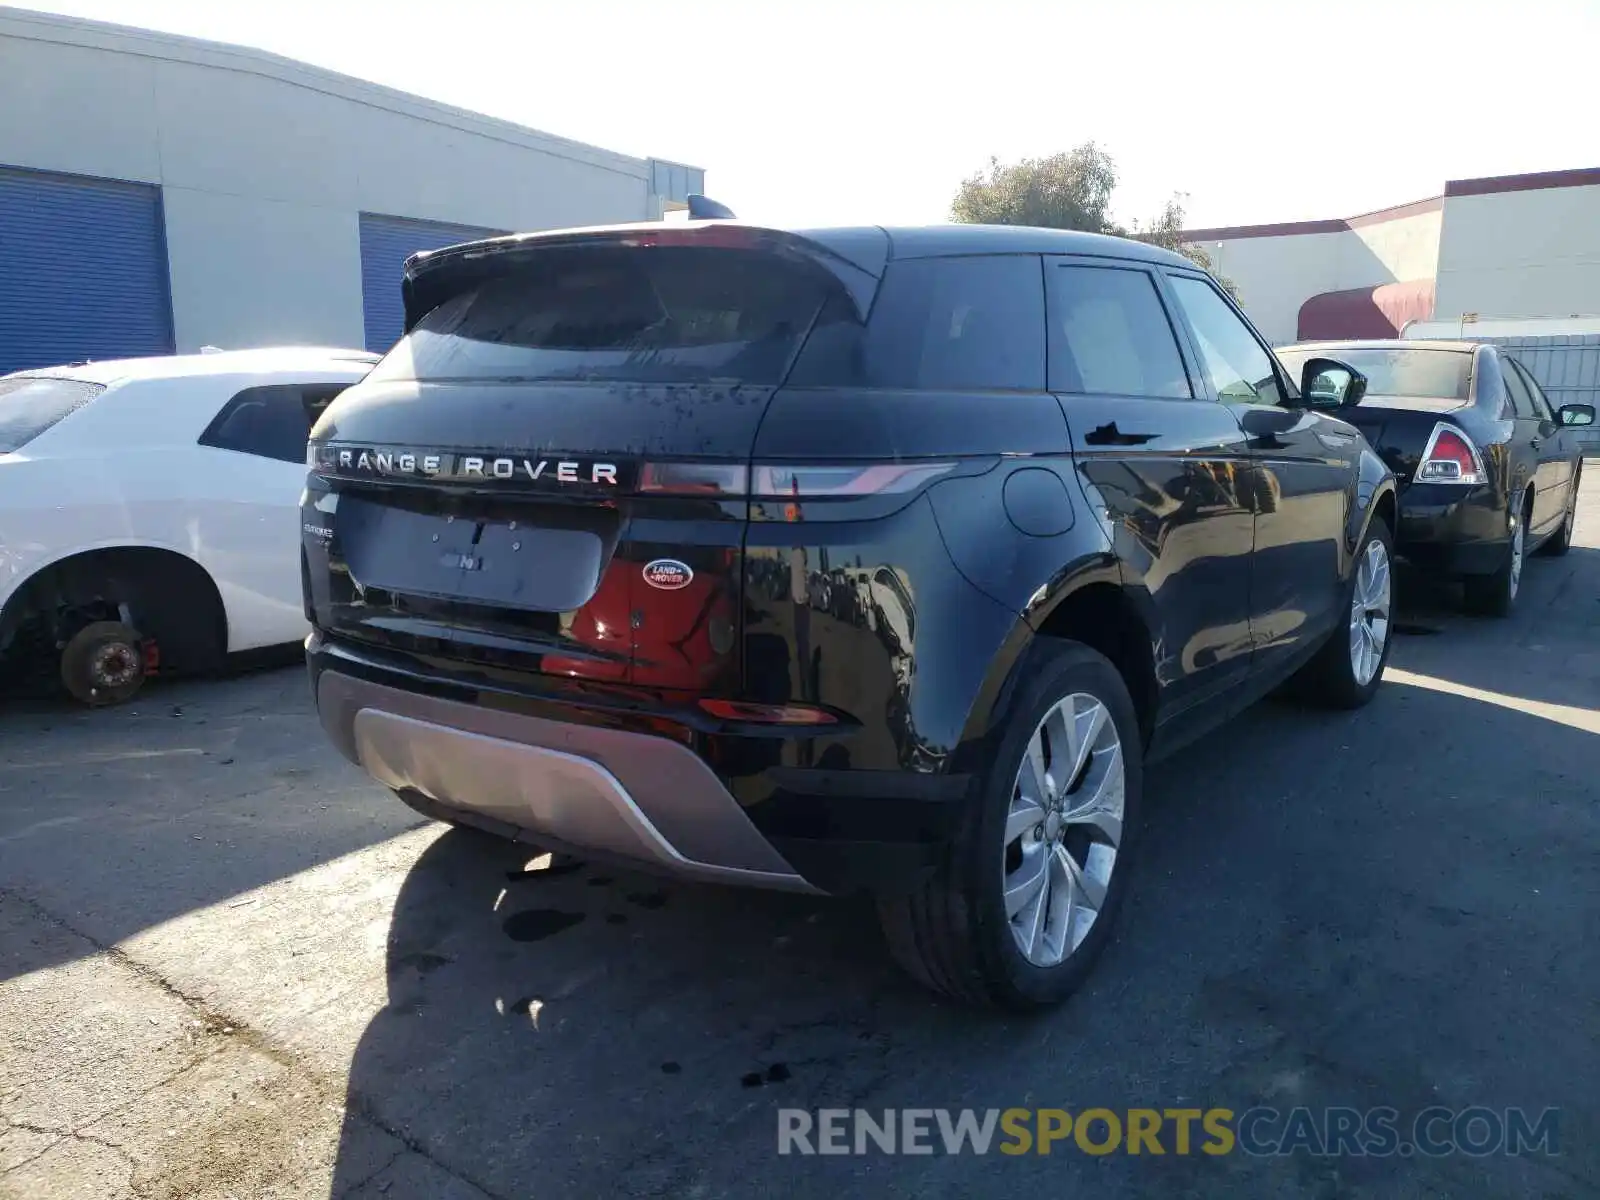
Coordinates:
[1450,457]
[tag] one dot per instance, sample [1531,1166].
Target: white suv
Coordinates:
[148,509]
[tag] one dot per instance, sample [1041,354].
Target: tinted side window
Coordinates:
[1109,334]
[1517,389]
[937,323]
[1238,365]
[1541,402]
[269,422]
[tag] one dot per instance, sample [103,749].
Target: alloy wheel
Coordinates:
[1063,829]
[1369,612]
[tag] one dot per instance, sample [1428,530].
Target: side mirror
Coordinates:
[1576,414]
[1328,383]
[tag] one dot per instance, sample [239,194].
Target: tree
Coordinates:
[1166,230]
[1065,191]
[1068,191]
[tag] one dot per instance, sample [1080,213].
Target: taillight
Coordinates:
[790,482]
[1450,457]
[824,482]
[694,479]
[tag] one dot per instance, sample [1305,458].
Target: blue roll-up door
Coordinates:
[83,270]
[386,243]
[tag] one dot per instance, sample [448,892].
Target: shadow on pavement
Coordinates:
[1548,650]
[1391,907]
[116,820]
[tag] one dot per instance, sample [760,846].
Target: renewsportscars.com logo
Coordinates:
[1323,1132]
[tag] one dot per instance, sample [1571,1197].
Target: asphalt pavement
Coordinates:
[231,966]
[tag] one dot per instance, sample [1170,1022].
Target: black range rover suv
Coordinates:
[846,560]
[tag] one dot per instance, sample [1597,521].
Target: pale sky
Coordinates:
[827,112]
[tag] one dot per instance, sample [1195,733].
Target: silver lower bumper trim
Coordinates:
[627,794]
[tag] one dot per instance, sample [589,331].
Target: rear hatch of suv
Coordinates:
[549,473]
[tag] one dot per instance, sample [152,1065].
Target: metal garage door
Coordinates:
[386,243]
[83,270]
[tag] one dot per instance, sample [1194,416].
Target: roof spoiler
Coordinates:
[433,276]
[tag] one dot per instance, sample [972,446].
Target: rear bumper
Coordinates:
[636,791]
[625,795]
[1452,530]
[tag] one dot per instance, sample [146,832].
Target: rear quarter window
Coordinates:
[974,323]
[273,421]
[31,404]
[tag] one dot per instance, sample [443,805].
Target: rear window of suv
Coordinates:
[30,404]
[651,315]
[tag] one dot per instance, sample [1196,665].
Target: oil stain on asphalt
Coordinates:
[536,924]
[776,1073]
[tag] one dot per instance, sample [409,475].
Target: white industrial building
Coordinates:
[161,193]
[1507,246]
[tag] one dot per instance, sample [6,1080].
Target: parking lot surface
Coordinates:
[231,966]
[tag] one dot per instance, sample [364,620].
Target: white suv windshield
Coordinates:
[30,404]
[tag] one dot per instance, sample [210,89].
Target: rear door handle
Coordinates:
[1536,443]
[1110,435]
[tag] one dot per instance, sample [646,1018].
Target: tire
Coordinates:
[1343,674]
[1496,595]
[953,933]
[1561,542]
[103,664]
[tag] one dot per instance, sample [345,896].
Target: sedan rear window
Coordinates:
[1435,374]
[651,315]
[30,404]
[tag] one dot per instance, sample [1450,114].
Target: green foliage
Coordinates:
[1065,191]
[1165,230]
[1069,191]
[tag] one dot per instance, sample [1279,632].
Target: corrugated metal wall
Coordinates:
[674,181]
[83,270]
[386,243]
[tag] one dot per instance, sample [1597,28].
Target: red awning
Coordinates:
[1370,312]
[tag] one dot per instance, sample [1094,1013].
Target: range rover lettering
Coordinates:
[917,543]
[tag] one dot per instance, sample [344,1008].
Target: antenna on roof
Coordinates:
[704,208]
